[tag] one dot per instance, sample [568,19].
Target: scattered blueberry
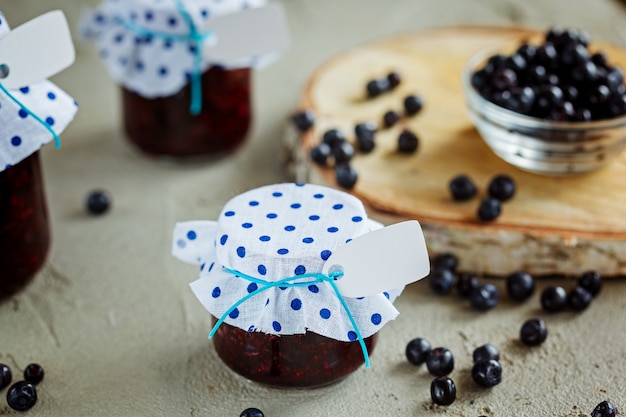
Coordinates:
[441,281]
[343,152]
[407,141]
[485,297]
[462,188]
[98,202]
[487,373]
[33,373]
[391,118]
[447,261]
[22,396]
[591,281]
[489,209]
[333,137]
[605,409]
[486,352]
[520,285]
[579,298]
[502,187]
[303,120]
[443,391]
[553,298]
[365,134]
[394,79]
[345,175]
[376,87]
[417,351]
[5,376]
[440,361]
[320,153]
[466,283]
[413,104]
[252,412]
[533,332]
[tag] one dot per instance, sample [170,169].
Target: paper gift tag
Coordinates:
[36,50]
[381,260]
[255,31]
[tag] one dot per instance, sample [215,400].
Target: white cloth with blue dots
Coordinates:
[156,66]
[21,135]
[275,232]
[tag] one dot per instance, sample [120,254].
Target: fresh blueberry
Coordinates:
[553,298]
[98,202]
[441,281]
[365,135]
[390,118]
[462,188]
[489,209]
[466,283]
[346,176]
[485,297]
[303,120]
[520,285]
[333,137]
[407,141]
[320,153]
[579,298]
[487,373]
[5,376]
[252,412]
[486,352]
[394,80]
[417,351]
[591,281]
[447,261]
[443,391]
[440,361]
[22,396]
[413,104]
[376,87]
[343,152]
[33,373]
[605,409]
[533,332]
[502,187]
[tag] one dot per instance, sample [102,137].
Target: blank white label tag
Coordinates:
[36,50]
[381,260]
[251,32]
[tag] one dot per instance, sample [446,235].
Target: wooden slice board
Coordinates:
[562,225]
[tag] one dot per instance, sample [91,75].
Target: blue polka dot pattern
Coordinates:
[271,215]
[270,250]
[191,235]
[22,113]
[16,141]
[234,314]
[246,225]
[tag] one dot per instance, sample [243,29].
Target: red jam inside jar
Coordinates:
[290,361]
[24,229]
[164,126]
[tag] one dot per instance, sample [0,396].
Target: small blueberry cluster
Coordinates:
[22,395]
[500,189]
[486,372]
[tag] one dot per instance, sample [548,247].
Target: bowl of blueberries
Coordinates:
[551,104]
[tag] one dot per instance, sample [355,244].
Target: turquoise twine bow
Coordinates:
[294,282]
[195,37]
[57,140]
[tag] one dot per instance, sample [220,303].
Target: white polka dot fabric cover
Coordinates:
[275,232]
[155,66]
[20,134]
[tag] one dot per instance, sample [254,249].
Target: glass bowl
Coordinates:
[537,145]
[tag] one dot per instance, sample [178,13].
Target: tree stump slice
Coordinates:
[553,225]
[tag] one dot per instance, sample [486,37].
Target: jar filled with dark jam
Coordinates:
[164,126]
[24,229]
[306,360]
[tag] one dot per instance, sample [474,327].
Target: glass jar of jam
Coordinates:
[306,360]
[24,229]
[278,320]
[164,126]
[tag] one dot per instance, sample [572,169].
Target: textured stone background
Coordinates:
[120,334]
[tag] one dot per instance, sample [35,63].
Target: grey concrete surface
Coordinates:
[111,317]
